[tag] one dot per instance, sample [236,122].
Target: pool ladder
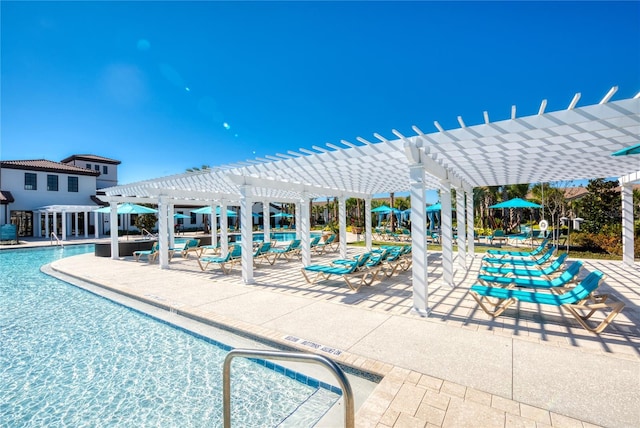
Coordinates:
[147,235]
[349,418]
[58,241]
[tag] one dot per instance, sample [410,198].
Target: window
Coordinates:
[105,169]
[52,182]
[88,166]
[193,219]
[30,181]
[97,167]
[73,184]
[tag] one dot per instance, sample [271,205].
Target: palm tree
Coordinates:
[483,198]
[195,168]
[516,191]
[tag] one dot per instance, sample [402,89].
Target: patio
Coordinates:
[456,367]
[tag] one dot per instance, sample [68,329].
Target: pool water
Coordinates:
[71,358]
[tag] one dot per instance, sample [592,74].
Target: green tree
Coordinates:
[636,204]
[196,169]
[146,221]
[601,206]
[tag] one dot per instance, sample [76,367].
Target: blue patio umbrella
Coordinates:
[178,215]
[282,215]
[516,203]
[433,212]
[381,209]
[384,209]
[434,207]
[631,150]
[128,208]
[207,210]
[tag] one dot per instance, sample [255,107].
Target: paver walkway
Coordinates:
[458,367]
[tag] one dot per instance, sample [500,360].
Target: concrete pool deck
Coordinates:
[457,367]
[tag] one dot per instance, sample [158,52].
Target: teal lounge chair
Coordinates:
[372,265]
[288,252]
[522,261]
[348,271]
[393,260]
[548,272]
[405,234]
[499,237]
[314,242]
[261,253]
[403,259]
[566,278]
[151,254]
[506,253]
[191,246]
[326,245]
[225,263]
[578,299]
[214,248]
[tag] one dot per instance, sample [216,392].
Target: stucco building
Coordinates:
[42,197]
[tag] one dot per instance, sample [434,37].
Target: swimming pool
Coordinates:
[70,358]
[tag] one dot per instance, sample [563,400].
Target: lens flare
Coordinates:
[143,45]
[226,126]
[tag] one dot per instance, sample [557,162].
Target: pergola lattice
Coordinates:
[571,144]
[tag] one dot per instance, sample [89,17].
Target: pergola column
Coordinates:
[342,222]
[63,232]
[297,218]
[163,232]
[39,223]
[96,230]
[470,220]
[627,224]
[85,219]
[304,226]
[75,223]
[54,223]
[446,234]
[224,229]
[113,230]
[171,226]
[418,240]
[367,224]
[214,225]
[246,230]
[266,221]
[461,228]
[46,225]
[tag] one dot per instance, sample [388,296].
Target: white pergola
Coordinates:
[65,210]
[571,144]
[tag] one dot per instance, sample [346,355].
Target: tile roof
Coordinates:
[575,192]
[91,158]
[6,197]
[46,165]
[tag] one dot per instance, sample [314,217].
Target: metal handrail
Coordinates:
[347,392]
[58,241]
[151,235]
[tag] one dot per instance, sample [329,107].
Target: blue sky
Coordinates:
[165,86]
